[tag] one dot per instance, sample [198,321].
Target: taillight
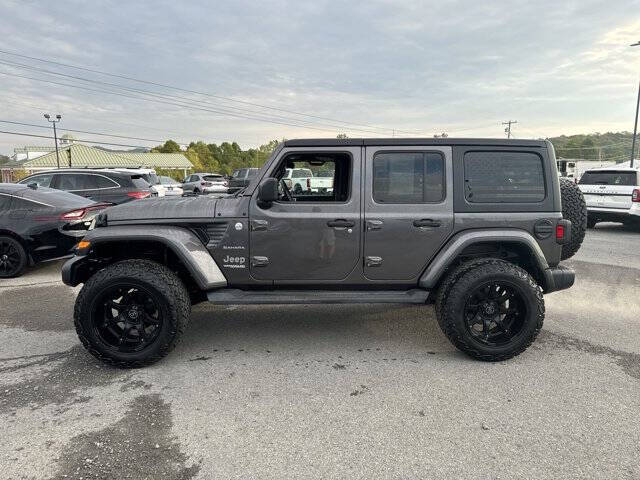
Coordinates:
[74,214]
[635,196]
[139,195]
[559,232]
[308,184]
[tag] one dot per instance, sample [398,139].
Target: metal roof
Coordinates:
[83,156]
[158,160]
[33,149]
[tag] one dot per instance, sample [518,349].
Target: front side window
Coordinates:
[503,177]
[408,177]
[315,177]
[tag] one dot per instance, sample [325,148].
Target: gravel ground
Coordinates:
[330,391]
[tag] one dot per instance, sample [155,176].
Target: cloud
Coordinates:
[427,67]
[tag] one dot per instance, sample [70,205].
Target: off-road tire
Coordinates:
[574,208]
[151,275]
[451,312]
[16,249]
[452,277]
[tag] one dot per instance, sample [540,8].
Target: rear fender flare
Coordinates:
[450,252]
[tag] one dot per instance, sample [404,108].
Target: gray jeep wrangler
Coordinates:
[478,227]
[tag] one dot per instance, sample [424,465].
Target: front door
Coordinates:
[408,212]
[311,235]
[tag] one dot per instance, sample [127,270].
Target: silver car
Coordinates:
[205,183]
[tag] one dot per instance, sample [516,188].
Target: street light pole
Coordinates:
[635,125]
[55,134]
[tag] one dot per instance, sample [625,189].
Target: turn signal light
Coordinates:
[635,196]
[83,244]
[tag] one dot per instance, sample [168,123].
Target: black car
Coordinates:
[240,178]
[39,224]
[104,186]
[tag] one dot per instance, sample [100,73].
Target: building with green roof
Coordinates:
[77,155]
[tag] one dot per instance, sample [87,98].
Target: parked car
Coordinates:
[172,187]
[205,183]
[241,178]
[478,227]
[300,180]
[612,195]
[103,186]
[149,175]
[38,224]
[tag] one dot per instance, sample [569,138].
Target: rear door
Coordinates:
[609,188]
[408,209]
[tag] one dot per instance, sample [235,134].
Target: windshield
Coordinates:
[609,177]
[168,181]
[212,178]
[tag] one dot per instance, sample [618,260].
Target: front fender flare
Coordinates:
[450,252]
[182,242]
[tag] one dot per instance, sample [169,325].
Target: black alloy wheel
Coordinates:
[495,313]
[12,257]
[127,318]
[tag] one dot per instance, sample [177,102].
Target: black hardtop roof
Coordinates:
[484,142]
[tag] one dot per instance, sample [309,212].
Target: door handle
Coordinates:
[374,225]
[341,223]
[426,222]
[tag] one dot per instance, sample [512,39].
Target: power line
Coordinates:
[24,134]
[88,132]
[220,97]
[182,105]
[223,108]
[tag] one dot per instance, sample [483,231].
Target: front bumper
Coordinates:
[559,278]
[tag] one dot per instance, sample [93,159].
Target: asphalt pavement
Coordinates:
[334,392]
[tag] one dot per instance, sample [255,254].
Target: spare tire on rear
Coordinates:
[574,208]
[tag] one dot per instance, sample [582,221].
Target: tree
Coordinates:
[342,136]
[169,147]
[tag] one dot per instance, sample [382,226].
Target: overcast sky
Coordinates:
[386,67]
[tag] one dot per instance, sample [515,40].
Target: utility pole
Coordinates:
[55,134]
[635,125]
[507,130]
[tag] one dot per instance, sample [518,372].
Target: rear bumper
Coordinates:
[559,278]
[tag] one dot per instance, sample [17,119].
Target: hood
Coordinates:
[164,208]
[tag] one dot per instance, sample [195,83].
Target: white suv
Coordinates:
[612,195]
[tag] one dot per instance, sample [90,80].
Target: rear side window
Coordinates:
[43,180]
[408,177]
[139,182]
[74,181]
[503,177]
[609,177]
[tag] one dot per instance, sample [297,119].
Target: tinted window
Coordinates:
[75,181]
[104,182]
[43,180]
[139,182]
[610,177]
[408,177]
[212,178]
[503,177]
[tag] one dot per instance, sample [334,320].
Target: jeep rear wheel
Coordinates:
[493,311]
[132,313]
[574,208]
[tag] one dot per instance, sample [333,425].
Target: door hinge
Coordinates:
[372,261]
[257,225]
[259,261]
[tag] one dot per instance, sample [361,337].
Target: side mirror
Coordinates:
[268,191]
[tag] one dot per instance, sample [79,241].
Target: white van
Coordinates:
[612,195]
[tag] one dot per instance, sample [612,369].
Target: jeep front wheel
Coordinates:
[132,313]
[493,311]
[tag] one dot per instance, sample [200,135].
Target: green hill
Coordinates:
[614,146]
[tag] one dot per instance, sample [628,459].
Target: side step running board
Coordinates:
[229,296]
